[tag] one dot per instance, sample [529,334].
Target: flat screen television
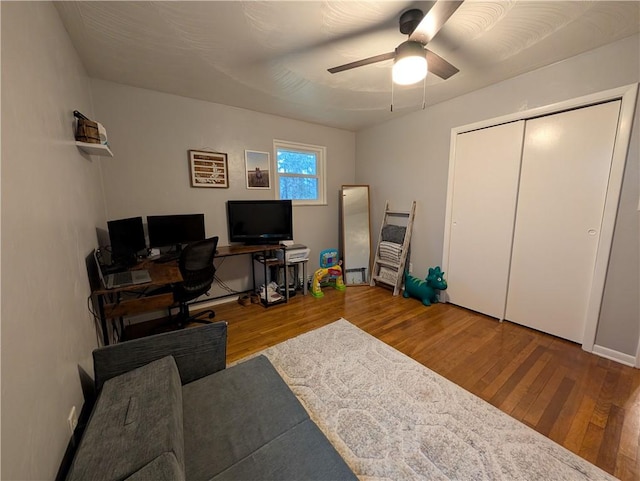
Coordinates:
[260,221]
[126,237]
[175,230]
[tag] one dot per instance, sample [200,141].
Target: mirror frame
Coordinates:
[343,250]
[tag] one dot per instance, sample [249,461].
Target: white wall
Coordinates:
[150,134]
[51,203]
[408,158]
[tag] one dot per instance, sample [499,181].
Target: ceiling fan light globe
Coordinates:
[409,70]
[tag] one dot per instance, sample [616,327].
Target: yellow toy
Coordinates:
[330,273]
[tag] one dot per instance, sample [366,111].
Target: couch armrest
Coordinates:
[198,352]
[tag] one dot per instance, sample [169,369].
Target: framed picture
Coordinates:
[258,169]
[208,169]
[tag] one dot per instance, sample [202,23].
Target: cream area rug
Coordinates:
[393,419]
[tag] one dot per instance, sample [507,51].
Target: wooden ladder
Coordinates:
[398,268]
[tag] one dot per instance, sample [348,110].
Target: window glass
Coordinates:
[291,162]
[298,188]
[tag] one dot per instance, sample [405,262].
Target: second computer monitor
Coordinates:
[175,230]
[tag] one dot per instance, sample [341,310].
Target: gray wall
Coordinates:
[150,134]
[408,159]
[51,202]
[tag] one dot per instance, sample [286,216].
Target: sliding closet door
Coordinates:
[563,183]
[485,186]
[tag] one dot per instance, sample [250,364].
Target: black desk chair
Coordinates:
[198,271]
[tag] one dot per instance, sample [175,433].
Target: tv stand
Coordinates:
[266,251]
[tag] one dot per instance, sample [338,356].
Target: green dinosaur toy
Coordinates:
[425,290]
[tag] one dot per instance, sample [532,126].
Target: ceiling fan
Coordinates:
[411,57]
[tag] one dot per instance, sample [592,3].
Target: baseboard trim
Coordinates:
[620,357]
[205,303]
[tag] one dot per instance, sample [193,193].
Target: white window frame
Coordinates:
[321,172]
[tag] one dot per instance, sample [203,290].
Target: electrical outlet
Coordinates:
[410,267]
[72,420]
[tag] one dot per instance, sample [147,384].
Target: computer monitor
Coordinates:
[175,230]
[127,239]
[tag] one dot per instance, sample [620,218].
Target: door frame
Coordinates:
[627,95]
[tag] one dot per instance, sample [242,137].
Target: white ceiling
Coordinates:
[273,56]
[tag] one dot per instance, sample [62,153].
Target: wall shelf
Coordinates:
[95,149]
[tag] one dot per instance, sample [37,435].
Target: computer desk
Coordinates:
[132,300]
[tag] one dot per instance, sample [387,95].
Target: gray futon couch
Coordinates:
[169,410]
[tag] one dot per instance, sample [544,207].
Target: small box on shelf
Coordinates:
[91,137]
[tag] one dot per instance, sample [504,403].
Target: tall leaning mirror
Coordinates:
[355,234]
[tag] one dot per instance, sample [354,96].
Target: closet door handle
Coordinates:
[592,232]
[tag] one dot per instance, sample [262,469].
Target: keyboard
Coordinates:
[163,259]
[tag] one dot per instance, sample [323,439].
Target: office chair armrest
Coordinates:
[198,352]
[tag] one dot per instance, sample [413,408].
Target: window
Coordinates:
[300,172]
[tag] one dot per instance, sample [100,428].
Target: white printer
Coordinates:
[295,253]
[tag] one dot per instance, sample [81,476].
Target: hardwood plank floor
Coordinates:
[588,404]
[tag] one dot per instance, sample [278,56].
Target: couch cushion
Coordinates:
[198,353]
[164,468]
[138,417]
[302,453]
[232,413]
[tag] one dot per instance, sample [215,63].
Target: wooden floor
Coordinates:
[586,403]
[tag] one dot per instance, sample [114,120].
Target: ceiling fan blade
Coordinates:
[439,66]
[433,21]
[363,62]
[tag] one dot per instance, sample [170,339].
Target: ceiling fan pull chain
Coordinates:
[392,95]
[424,93]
